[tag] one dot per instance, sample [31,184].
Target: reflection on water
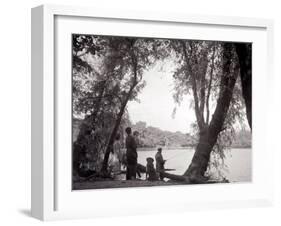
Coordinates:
[238,162]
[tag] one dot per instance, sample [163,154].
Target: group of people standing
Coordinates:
[130,158]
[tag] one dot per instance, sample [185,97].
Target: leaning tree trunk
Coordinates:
[208,136]
[244,52]
[113,134]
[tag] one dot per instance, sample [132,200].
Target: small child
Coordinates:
[150,170]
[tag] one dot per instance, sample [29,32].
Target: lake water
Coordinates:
[238,162]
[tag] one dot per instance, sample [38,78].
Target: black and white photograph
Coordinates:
[157,111]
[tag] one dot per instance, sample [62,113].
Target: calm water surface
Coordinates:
[238,162]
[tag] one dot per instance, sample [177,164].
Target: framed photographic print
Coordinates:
[137,112]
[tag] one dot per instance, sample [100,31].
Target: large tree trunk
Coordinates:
[109,147]
[244,52]
[208,136]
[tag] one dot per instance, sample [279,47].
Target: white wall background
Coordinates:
[15,111]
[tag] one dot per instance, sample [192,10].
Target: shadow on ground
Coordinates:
[25,212]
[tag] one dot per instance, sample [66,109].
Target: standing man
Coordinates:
[160,162]
[131,155]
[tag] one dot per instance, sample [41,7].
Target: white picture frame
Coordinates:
[48,187]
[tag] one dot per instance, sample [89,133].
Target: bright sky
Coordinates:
[157,104]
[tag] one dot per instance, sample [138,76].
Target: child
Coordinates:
[160,162]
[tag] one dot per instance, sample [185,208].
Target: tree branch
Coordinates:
[210,86]
[203,88]
[198,115]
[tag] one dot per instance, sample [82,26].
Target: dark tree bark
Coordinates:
[208,136]
[244,53]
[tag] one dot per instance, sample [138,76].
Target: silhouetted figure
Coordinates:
[131,155]
[160,162]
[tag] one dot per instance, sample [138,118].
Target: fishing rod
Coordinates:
[174,156]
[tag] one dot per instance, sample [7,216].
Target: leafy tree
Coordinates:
[97,77]
[107,74]
[208,71]
[136,56]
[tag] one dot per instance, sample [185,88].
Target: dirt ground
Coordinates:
[82,185]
